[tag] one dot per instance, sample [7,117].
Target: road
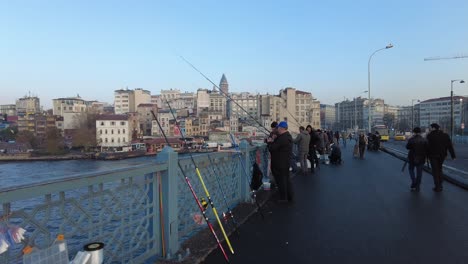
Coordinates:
[359,212]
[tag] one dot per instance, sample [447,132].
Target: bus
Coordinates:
[383,131]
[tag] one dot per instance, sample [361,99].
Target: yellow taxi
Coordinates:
[399,137]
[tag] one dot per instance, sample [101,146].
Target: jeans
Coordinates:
[415,181]
[293,163]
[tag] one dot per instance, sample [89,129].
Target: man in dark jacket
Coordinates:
[417,146]
[314,142]
[281,151]
[438,145]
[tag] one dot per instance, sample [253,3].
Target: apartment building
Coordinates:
[113,132]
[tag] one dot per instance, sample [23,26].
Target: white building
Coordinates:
[126,101]
[438,110]
[113,132]
[69,105]
[28,105]
[247,101]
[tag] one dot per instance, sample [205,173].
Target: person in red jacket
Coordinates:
[438,145]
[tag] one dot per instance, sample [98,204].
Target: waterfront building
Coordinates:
[113,132]
[8,109]
[327,116]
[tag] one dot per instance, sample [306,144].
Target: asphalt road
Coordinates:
[461,151]
[359,212]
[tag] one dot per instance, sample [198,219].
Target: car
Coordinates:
[399,137]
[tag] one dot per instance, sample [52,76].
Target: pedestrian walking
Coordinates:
[271,137]
[302,140]
[417,146]
[438,144]
[281,151]
[363,141]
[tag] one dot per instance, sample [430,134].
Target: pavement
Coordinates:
[359,212]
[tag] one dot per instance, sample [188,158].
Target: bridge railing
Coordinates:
[122,208]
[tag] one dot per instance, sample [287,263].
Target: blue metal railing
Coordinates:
[121,207]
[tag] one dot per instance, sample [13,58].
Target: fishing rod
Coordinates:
[229,213]
[215,212]
[201,206]
[225,94]
[252,191]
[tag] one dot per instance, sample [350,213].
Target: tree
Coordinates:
[27,137]
[8,133]
[389,119]
[85,136]
[54,141]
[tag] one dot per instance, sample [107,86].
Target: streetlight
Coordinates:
[389,46]
[355,111]
[412,112]
[451,107]
[462,122]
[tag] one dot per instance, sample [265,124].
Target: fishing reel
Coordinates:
[226,216]
[253,194]
[204,203]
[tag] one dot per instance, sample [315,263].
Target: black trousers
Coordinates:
[362,150]
[313,159]
[436,165]
[283,181]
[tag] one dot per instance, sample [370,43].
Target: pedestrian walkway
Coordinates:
[359,212]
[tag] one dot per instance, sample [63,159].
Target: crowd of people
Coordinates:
[313,145]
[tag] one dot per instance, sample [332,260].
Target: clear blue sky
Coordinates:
[63,48]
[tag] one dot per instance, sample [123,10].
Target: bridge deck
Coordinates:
[359,212]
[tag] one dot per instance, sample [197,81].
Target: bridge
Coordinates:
[359,212]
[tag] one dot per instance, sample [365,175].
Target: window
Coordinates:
[59,108]
[106,131]
[118,131]
[122,124]
[123,132]
[100,131]
[123,139]
[112,140]
[112,123]
[112,131]
[70,108]
[105,140]
[118,140]
[102,123]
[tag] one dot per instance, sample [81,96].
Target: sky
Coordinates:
[55,49]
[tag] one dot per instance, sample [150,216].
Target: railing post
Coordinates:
[245,171]
[170,202]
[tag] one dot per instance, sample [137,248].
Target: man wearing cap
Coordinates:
[438,145]
[281,151]
[417,146]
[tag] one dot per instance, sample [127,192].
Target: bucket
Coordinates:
[266,186]
[96,250]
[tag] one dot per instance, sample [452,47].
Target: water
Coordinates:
[20,173]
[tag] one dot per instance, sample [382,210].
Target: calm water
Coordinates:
[20,173]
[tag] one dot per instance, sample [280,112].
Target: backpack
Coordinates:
[257,177]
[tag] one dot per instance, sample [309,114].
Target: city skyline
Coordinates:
[93,49]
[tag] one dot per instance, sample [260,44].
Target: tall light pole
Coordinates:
[389,46]
[452,130]
[412,112]
[355,111]
[462,122]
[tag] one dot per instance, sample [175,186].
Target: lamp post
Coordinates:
[462,122]
[412,112]
[355,112]
[389,46]
[452,130]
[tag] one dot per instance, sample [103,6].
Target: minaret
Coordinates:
[224,85]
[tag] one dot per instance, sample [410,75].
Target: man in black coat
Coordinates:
[438,143]
[417,146]
[281,151]
[313,143]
